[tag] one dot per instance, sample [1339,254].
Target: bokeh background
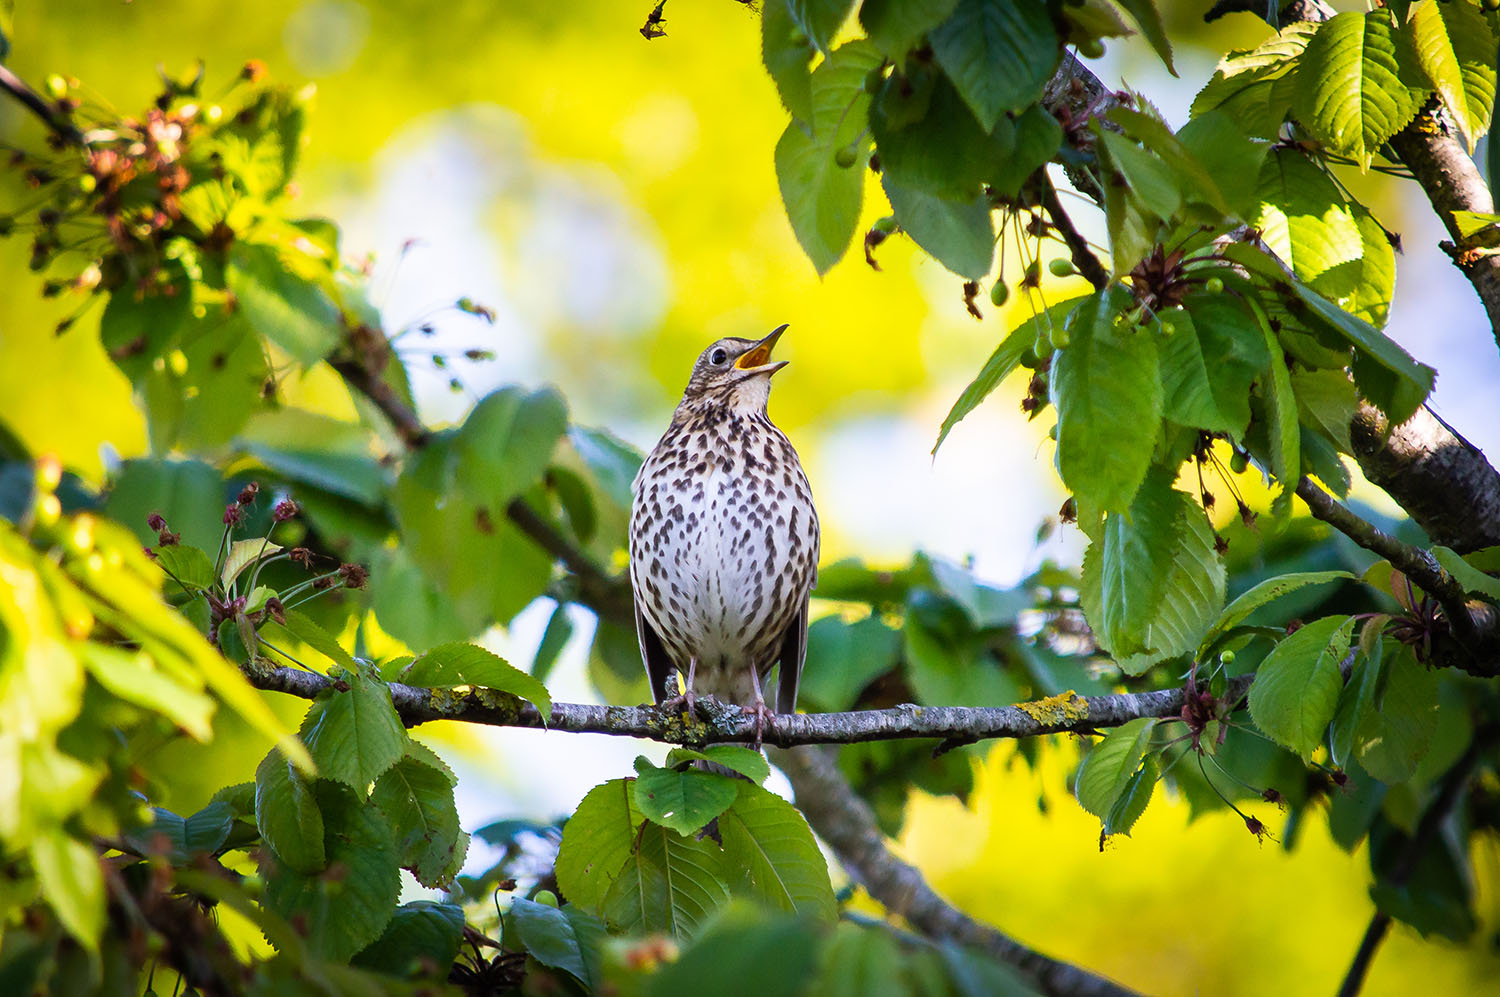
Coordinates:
[613,201]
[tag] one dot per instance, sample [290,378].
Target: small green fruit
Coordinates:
[1029,358]
[1034,271]
[1058,337]
[1226,657]
[999,294]
[1239,462]
[1061,268]
[1092,49]
[57,87]
[886,224]
[546,897]
[1052,433]
[87,184]
[1215,285]
[845,157]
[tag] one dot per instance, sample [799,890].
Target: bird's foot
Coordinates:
[686,703]
[763,717]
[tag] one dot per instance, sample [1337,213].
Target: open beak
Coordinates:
[758,357]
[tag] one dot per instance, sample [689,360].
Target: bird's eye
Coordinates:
[718,356]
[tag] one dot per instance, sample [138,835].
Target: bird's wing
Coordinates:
[654,653]
[793,654]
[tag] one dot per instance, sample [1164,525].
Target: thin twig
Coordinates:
[1083,258]
[34,102]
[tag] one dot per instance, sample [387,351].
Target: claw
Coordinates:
[686,702]
[762,717]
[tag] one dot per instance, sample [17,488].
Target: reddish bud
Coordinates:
[327,582]
[1255,827]
[254,71]
[302,556]
[166,538]
[248,493]
[156,522]
[276,610]
[354,575]
[285,509]
[233,516]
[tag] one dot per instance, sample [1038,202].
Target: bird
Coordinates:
[724,541]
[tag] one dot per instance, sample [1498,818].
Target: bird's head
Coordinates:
[735,372]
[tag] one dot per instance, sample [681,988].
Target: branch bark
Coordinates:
[717,723]
[845,821]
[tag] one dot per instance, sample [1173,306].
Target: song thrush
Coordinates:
[724,540]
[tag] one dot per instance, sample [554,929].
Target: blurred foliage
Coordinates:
[194,318]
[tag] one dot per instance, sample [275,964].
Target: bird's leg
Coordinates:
[686,701]
[762,715]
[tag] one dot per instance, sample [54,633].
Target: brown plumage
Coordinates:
[724,539]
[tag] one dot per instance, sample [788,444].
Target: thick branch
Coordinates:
[719,724]
[845,821]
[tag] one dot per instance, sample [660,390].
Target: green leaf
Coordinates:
[746,761]
[554,638]
[423,936]
[1191,178]
[417,799]
[1227,333]
[1363,287]
[1038,136]
[354,736]
[244,553]
[1302,216]
[1186,388]
[1470,223]
[820,20]
[770,848]
[1152,584]
[612,462]
[928,139]
[1133,799]
[1281,408]
[958,235]
[787,52]
[289,310]
[135,332]
[1474,581]
[1004,360]
[134,677]
[7,26]
[1267,591]
[1256,88]
[311,633]
[1218,144]
[1354,84]
[598,841]
[859,961]
[822,199]
[1153,182]
[469,664]
[1326,401]
[896,26]
[506,443]
[1107,388]
[187,493]
[336,456]
[67,871]
[287,815]
[343,914]
[1146,15]
[743,954]
[1395,729]
[682,801]
[999,53]
[1386,374]
[1111,764]
[180,839]
[565,939]
[1297,686]
[1454,46]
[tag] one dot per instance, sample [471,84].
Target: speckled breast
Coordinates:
[723,547]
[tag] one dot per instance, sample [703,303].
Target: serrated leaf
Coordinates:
[1153,182]
[506,443]
[417,799]
[1218,142]
[311,633]
[820,20]
[999,53]
[769,846]
[1474,581]
[746,761]
[1454,46]
[1267,591]
[1297,686]
[896,26]
[242,554]
[1152,583]
[1107,387]
[1397,724]
[1326,401]
[597,842]
[958,235]
[340,915]
[1302,216]
[1281,407]
[287,309]
[1227,334]
[1187,392]
[1363,287]
[742,954]
[1353,84]
[183,838]
[1038,136]
[461,663]
[135,678]
[186,565]
[1110,765]
[423,935]
[682,801]
[287,815]
[1148,18]
[569,940]
[1385,373]
[354,736]
[1134,797]
[786,52]
[928,139]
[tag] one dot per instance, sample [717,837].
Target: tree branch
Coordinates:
[1432,819]
[1475,625]
[717,723]
[845,821]
[1083,257]
[34,102]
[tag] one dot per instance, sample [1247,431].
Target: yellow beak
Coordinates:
[758,356]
